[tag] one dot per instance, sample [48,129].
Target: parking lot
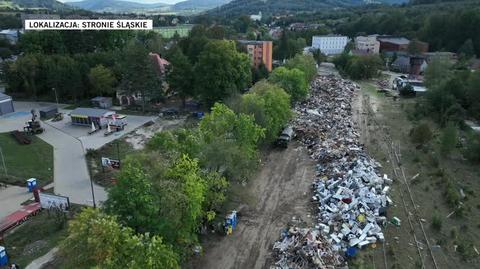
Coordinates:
[71,177]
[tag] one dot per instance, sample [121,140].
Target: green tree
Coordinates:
[269,105]
[319,56]
[467,50]
[98,240]
[27,68]
[133,199]
[221,71]
[180,77]
[305,63]
[363,67]
[448,140]
[292,81]
[139,74]
[230,142]
[102,79]
[437,71]
[181,193]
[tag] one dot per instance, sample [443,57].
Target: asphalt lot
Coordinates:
[71,177]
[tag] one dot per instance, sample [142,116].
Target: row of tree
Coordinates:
[166,193]
[452,98]
[358,67]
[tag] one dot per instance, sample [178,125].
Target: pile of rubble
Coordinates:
[350,195]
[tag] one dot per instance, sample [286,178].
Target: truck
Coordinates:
[285,137]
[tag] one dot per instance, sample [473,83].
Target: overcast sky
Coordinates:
[138,1]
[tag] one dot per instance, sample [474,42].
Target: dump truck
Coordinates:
[285,137]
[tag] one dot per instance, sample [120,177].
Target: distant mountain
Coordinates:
[38,4]
[246,7]
[120,6]
[117,6]
[199,4]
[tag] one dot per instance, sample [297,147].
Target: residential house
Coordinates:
[102,102]
[260,52]
[368,44]
[330,44]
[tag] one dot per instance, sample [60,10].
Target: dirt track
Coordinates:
[279,192]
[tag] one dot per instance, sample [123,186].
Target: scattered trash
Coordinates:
[350,195]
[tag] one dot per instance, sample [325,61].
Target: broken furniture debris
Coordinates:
[348,192]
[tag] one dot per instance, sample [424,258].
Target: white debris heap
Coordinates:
[350,195]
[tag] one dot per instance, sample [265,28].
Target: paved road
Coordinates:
[70,169]
[10,199]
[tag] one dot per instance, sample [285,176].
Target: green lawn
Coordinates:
[34,238]
[26,161]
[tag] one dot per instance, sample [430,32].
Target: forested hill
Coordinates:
[245,7]
[42,4]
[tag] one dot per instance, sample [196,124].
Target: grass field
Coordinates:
[26,161]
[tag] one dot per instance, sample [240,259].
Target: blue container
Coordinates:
[231,220]
[351,252]
[3,257]
[31,184]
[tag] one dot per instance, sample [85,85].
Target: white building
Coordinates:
[256,17]
[369,44]
[330,44]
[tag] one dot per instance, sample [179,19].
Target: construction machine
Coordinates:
[33,126]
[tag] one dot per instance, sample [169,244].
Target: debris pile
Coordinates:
[304,248]
[350,196]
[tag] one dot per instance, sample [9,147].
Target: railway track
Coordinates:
[417,230]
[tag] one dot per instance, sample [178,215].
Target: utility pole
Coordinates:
[3,161]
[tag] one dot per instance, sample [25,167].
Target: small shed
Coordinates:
[6,104]
[48,112]
[85,116]
[102,102]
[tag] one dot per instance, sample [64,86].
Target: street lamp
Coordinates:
[56,97]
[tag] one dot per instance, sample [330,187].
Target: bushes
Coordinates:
[472,149]
[448,140]
[436,222]
[421,134]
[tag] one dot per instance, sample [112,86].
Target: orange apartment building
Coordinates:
[259,52]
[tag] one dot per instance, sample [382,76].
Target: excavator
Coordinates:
[33,126]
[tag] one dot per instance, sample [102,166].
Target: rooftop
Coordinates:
[90,112]
[101,99]
[395,40]
[4,97]
[252,42]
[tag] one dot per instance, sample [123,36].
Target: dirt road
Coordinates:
[279,192]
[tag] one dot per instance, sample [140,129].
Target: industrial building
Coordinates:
[6,104]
